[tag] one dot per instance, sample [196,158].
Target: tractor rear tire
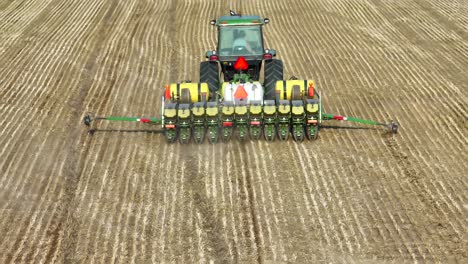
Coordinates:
[273,73]
[209,73]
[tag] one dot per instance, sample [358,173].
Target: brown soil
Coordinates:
[354,195]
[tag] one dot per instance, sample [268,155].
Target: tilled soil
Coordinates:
[123,195]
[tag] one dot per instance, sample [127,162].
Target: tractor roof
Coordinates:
[239,20]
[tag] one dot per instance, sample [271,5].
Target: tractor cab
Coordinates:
[240,36]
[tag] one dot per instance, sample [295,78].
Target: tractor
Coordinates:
[241,36]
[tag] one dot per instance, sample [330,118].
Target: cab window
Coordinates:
[241,40]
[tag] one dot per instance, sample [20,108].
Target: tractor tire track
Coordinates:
[247,182]
[74,162]
[211,225]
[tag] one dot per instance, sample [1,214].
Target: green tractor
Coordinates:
[231,100]
[241,36]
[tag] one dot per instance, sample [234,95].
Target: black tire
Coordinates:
[273,73]
[209,73]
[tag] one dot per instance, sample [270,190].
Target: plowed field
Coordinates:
[354,195]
